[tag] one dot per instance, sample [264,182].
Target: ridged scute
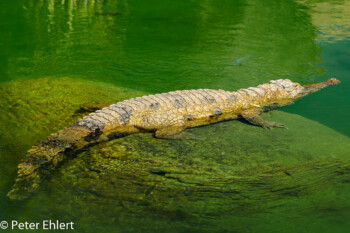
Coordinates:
[115,114]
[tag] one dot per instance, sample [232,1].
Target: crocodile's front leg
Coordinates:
[253,117]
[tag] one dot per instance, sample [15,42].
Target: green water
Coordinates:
[56,55]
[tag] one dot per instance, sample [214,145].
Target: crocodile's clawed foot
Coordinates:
[271,125]
[253,117]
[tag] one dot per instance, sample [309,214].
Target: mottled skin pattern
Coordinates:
[166,114]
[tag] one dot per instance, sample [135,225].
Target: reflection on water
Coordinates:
[239,174]
[331,18]
[160,48]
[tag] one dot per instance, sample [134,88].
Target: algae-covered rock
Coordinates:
[236,169]
[31,110]
[139,183]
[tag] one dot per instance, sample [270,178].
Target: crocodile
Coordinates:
[166,114]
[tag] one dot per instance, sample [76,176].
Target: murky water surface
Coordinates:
[56,55]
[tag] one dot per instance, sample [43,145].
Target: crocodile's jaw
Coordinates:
[311,88]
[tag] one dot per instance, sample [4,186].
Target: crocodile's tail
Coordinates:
[44,157]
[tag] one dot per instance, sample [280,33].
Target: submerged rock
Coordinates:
[31,110]
[235,170]
[147,183]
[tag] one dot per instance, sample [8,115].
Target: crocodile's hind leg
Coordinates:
[253,117]
[166,126]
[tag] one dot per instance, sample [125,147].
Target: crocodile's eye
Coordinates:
[188,117]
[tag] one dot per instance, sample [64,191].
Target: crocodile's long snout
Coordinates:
[311,88]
